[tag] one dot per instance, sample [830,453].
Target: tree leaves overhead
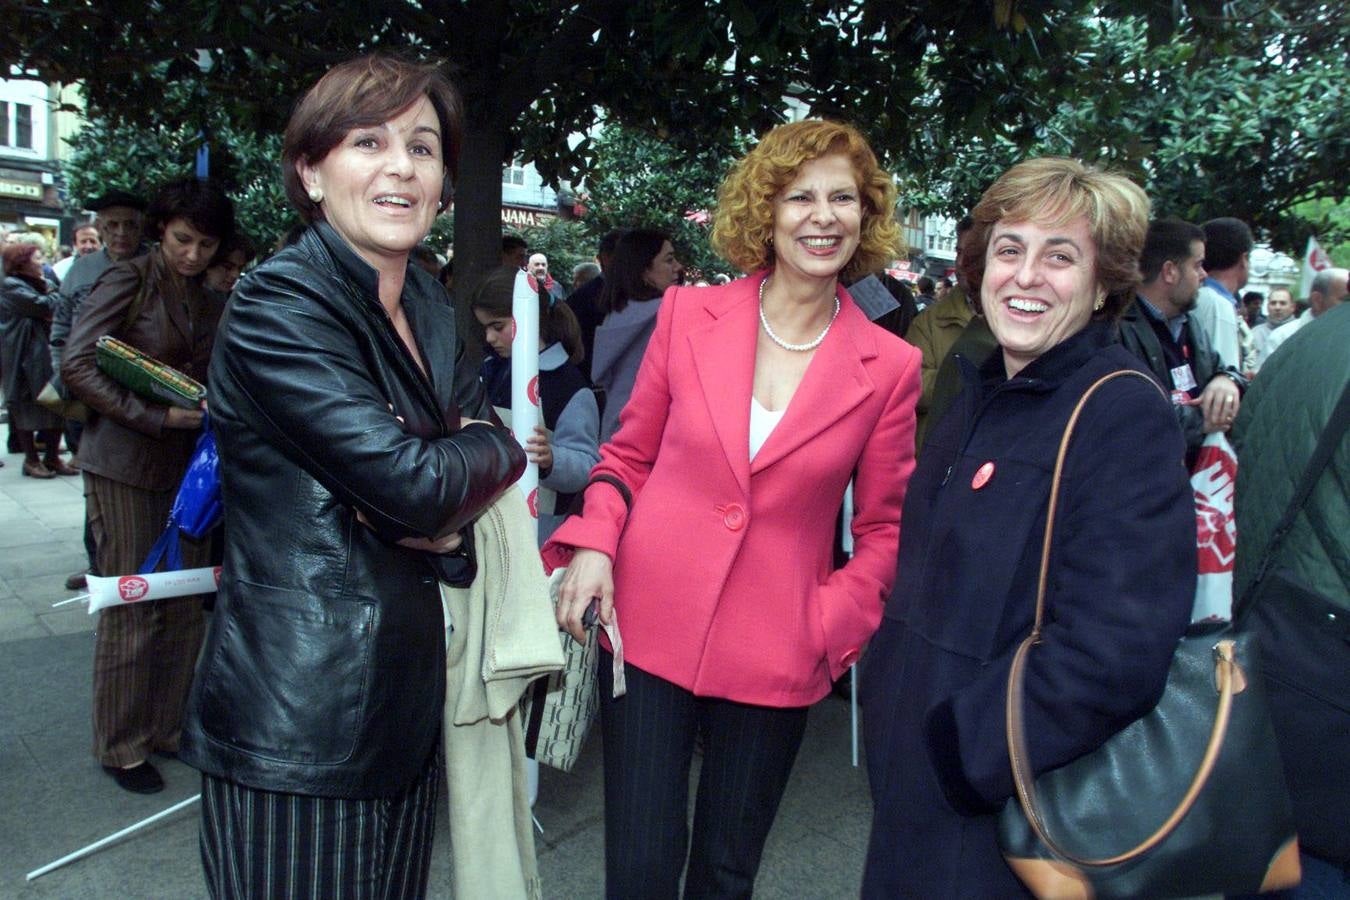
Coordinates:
[1219,106]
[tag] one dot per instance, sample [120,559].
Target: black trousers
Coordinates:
[649,737]
[263,845]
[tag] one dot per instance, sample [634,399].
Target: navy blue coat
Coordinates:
[1122,581]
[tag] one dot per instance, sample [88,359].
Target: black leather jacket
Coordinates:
[324,666]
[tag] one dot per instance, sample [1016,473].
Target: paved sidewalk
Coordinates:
[55,799]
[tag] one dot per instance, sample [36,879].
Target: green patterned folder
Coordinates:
[145,376]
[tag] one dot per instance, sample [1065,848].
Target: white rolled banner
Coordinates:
[525,379]
[119,590]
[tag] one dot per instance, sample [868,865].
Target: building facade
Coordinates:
[33,124]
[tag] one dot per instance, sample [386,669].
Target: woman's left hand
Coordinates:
[590,576]
[538,449]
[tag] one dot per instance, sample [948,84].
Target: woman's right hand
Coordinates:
[589,576]
[177,417]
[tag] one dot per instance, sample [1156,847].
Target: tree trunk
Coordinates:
[478,228]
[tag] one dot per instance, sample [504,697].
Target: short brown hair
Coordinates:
[368,90]
[1053,190]
[743,225]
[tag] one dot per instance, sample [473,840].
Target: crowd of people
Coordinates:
[696,447]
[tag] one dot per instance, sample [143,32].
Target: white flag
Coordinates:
[1315,259]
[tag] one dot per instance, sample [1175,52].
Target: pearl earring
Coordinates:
[316,195]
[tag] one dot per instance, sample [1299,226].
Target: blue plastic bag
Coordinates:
[196,509]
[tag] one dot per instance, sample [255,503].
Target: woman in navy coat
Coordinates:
[1053,262]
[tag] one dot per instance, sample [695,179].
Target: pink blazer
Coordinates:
[723,572]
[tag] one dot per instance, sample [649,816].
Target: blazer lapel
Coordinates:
[836,381]
[723,349]
[174,292]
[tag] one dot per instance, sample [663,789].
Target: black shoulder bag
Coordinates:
[1187,800]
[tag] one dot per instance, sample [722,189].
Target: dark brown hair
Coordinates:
[495,295]
[369,90]
[201,202]
[626,279]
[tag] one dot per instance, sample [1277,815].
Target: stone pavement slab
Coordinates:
[55,799]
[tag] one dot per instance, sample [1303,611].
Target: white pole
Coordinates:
[847,519]
[524,416]
[97,845]
[525,379]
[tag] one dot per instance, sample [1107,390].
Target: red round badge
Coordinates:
[532,390]
[982,476]
[532,502]
[131,588]
[215,573]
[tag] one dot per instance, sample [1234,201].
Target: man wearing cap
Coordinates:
[119,218]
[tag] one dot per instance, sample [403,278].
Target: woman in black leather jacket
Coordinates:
[353,456]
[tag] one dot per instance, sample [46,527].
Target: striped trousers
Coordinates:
[144,653]
[274,846]
[649,736]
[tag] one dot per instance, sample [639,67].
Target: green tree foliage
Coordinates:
[950,92]
[565,243]
[637,180]
[109,155]
[535,72]
[1249,123]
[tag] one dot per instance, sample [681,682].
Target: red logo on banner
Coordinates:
[1318,259]
[532,502]
[132,587]
[1216,527]
[532,390]
[215,573]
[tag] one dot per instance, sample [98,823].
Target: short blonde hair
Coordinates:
[742,229]
[1054,190]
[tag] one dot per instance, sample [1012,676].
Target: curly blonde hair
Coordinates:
[742,229]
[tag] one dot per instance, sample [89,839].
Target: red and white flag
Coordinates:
[1315,259]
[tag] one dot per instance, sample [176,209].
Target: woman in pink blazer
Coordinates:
[709,521]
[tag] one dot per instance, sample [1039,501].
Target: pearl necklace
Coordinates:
[797,348]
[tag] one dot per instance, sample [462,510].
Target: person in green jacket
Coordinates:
[1302,612]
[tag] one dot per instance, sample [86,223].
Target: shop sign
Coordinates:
[21,190]
[519,217]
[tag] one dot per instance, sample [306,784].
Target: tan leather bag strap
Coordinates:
[1023,778]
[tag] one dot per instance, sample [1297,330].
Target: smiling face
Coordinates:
[539,266]
[1039,286]
[86,240]
[187,250]
[382,185]
[664,270]
[817,219]
[500,331]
